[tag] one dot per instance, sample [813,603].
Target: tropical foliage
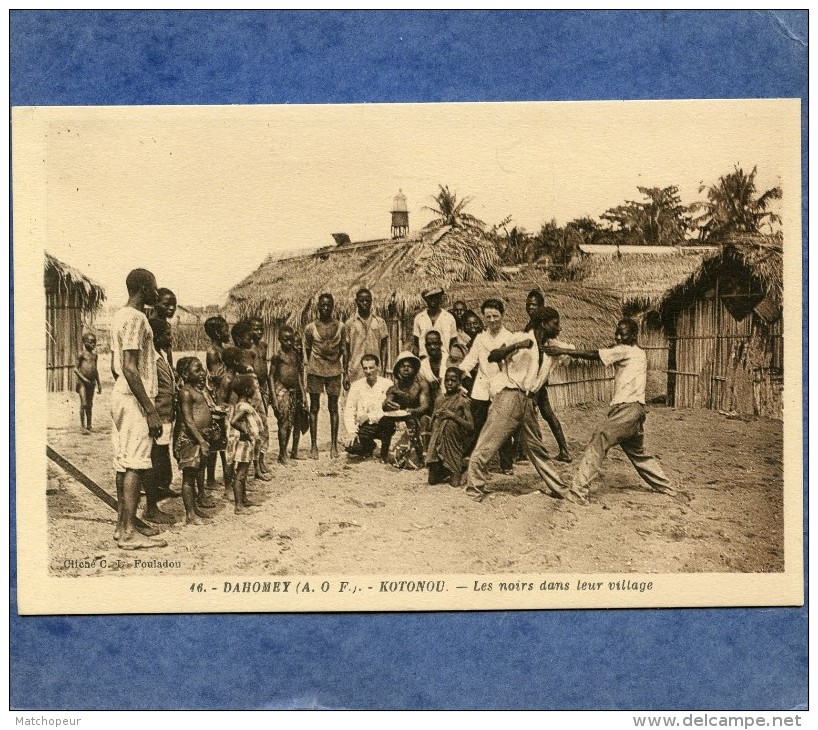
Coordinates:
[448,211]
[732,207]
[659,220]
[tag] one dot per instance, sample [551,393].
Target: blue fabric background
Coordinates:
[647,659]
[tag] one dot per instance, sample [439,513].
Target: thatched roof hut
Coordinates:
[71,300]
[642,280]
[725,326]
[396,270]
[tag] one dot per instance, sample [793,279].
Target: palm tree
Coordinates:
[732,206]
[449,211]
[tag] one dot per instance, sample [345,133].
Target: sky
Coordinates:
[201,195]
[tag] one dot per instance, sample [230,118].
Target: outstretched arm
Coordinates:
[554,351]
[501,353]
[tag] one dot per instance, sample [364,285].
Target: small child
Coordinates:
[452,425]
[218,331]
[87,379]
[625,422]
[193,434]
[285,392]
[247,422]
[157,486]
[242,333]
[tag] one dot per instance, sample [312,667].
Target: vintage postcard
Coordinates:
[408,357]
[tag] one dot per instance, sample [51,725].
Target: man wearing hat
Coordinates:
[434,317]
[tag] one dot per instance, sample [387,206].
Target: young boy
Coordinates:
[157,485]
[218,331]
[285,392]
[243,340]
[260,367]
[625,422]
[87,379]
[193,434]
[166,309]
[325,344]
[247,422]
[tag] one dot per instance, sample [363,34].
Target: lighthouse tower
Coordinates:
[400,216]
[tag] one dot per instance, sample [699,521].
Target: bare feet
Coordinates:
[228,494]
[478,495]
[248,503]
[156,515]
[314,452]
[283,459]
[198,512]
[563,456]
[205,502]
[243,510]
[135,541]
[264,476]
[575,498]
[166,494]
[194,519]
[146,530]
[294,455]
[333,452]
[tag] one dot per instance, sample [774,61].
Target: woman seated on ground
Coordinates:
[409,393]
[452,426]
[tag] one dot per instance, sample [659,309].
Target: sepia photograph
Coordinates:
[409,356]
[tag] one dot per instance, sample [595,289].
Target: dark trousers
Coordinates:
[383,431]
[479,414]
[162,472]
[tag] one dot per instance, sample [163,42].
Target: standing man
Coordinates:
[325,347]
[261,366]
[366,335]
[434,317]
[135,421]
[525,368]
[363,412]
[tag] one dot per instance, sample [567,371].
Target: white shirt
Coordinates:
[522,370]
[630,372]
[367,400]
[130,331]
[444,324]
[483,344]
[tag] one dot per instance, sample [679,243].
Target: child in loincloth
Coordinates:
[87,379]
[285,393]
[194,433]
[218,331]
[246,421]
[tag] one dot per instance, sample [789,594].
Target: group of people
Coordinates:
[467,392]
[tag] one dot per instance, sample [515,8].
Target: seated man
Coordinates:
[363,413]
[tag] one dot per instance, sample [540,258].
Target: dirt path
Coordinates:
[333,517]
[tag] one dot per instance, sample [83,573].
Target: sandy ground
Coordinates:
[331,516]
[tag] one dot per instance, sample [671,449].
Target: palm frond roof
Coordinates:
[395,270]
[60,277]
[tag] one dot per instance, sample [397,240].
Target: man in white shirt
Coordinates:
[524,370]
[495,335]
[363,413]
[625,423]
[135,420]
[434,317]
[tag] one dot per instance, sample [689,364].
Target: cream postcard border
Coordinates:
[38,592]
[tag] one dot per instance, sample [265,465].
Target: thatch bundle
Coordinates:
[396,271]
[755,260]
[641,281]
[62,279]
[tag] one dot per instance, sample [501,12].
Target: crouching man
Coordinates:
[363,414]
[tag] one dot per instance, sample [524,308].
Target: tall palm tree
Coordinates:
[732,206]
[448,211]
